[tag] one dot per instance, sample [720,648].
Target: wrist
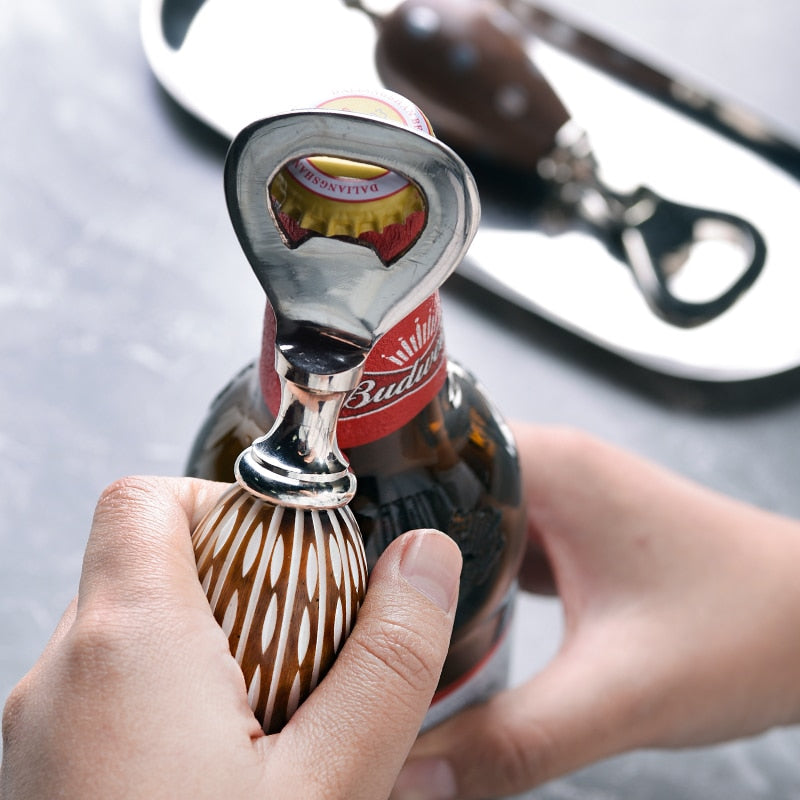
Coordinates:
[776,618]
[738,660]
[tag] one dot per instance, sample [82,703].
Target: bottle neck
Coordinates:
[404,371]
[384,211]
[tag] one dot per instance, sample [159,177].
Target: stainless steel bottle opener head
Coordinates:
[333,299]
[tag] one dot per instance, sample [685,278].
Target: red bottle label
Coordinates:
[403,372]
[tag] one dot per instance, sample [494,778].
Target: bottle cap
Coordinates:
[336,197]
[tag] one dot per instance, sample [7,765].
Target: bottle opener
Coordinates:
[332,300]
[281,558]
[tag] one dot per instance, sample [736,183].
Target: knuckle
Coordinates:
[14,712]
[403,652]
[95,645]
[127,544]
[119,496]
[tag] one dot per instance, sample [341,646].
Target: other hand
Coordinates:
[681,611]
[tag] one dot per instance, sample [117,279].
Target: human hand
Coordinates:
[681,611]
[137,695]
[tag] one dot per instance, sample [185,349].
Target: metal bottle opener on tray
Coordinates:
[467,66]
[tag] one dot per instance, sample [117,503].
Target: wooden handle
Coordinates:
[285,585]
[465,64]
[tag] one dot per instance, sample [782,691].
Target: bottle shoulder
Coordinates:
[459,423]
[464,391]
[236,416]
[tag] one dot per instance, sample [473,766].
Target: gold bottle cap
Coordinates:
[336,197]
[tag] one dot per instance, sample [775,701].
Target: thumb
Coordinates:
[377,693]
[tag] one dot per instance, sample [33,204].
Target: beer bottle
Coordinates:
[427,445]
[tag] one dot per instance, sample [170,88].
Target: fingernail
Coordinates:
[431,563]
[425,779]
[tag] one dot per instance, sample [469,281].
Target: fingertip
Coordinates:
[430,561]
[198,497]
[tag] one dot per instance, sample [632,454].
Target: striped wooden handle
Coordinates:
[285,585]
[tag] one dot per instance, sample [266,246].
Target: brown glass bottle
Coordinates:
[429,450]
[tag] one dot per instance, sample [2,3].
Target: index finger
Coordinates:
[140,545]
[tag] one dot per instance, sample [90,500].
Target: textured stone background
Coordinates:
[125,305]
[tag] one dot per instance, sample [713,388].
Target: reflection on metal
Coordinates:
[656,236]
